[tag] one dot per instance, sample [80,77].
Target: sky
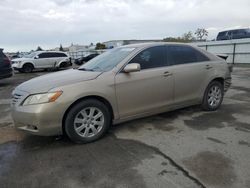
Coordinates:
[26,24]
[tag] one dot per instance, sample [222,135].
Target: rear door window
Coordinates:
[59,55]
[184,54]
[152,57]
[181,55]
[63,55]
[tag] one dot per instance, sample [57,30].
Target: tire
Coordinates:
[27,68]
[90,128]
[65,64]
[213,96]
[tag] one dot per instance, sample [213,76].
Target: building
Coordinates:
[77,51]
[116,43]
[76,47]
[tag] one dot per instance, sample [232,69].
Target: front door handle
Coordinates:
[166,74]
[208,67]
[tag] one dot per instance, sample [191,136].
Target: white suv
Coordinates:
[41,60]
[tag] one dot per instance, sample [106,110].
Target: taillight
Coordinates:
[6,60]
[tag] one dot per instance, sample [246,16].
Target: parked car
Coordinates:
[41,60]
[5,66]
[121,84]
[15,56]
[85,59]
[234,34]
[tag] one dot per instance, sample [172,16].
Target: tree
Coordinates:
[186,37]
[200,33]
[173,39]
[39,49]
[100,46]
[61,48]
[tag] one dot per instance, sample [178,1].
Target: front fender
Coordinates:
[26,62]
[90,88]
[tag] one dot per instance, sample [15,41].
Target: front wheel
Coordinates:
[213,96]
[87,121]
[27,68]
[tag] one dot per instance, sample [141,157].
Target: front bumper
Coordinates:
[16,66]
[39,119]
[227,83]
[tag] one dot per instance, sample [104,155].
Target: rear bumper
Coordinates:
[6,73]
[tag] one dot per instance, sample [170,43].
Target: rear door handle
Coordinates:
[166,74]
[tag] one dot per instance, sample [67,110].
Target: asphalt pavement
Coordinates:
[185,148]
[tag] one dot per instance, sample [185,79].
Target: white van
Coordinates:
[41,60]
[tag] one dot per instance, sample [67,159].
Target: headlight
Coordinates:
[42,98]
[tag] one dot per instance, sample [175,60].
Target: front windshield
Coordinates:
[31,55]
[108,60]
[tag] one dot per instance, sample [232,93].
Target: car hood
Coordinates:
[21,59]
[47,82]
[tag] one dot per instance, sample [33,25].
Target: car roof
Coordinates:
[49,52]
[151,44]
[234,30]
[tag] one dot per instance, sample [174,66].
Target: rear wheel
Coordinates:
[63,65]
[87,121]
[213,96]
[27,68]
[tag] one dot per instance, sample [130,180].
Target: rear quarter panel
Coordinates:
[219,70]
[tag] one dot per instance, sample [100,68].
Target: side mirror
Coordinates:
[133,67]
[36,57]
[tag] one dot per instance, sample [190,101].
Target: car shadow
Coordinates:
[160,121]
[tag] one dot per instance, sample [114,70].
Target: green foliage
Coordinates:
[186,37]
[173,39]
[100,46]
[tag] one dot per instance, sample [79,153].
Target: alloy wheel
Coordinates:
[214,96]
[88,122]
